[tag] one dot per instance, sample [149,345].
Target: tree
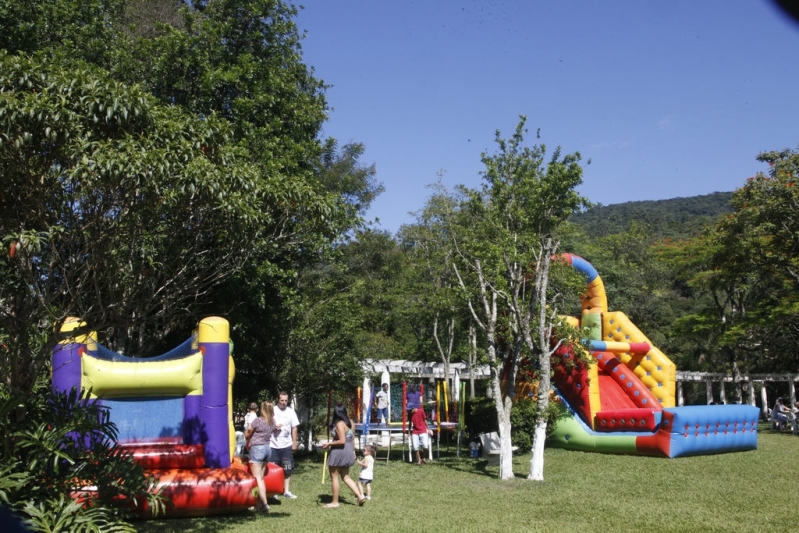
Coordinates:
[114,209]
[234,69]
[240,59]
[290,307]
[747,267]
[505,243]
[65,31]
[431,251]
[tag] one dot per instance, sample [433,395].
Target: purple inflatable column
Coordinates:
[213,337]
[66,356]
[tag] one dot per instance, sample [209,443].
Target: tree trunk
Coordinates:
[472,357]
[445,353]
[543,336]
[539,440]
[503,406]
[537,459]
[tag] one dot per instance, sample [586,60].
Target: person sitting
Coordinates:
[779,415]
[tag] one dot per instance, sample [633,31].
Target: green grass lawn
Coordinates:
[747,491]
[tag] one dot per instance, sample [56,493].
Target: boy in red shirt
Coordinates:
[419,433]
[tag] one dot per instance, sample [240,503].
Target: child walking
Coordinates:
[367,470]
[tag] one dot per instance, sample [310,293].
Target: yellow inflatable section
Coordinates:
[653,368]
[181,377]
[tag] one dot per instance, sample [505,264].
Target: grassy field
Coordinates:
[586,492]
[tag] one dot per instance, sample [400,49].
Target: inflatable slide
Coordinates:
[624,401]
[173,413]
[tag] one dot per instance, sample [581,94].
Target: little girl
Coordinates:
[367,470]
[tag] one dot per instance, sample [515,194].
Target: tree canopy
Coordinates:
[115,208]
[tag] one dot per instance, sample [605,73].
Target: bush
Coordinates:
[481,417]
[58,446]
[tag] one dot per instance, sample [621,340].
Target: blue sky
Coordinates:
[667,99]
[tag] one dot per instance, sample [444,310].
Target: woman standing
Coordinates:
[258,435]
[342,455]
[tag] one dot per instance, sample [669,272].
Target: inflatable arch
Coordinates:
[173,412]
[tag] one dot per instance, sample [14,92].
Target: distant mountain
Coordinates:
[675,218]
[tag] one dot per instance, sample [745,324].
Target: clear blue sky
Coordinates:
[667,99]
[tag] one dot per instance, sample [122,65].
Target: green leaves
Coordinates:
[57,446]
[115,200]
[744,275]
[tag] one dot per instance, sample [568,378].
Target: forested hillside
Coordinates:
[675,218]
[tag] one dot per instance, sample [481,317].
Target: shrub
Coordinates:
[58,447]
[481,417]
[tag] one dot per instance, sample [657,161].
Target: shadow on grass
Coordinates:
[467,465]
[779,432]
[765,427]
[210,524]
[345,501]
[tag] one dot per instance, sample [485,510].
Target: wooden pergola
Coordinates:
[710,378]
[425,369]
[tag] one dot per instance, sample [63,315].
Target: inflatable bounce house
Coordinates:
[624,402]
[173,412]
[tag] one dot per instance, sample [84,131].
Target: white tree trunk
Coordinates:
[544,327]
[503,406]
[506,451]
[537,458]
[505,445]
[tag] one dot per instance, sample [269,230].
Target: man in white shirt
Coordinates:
[382,401]
[284,442]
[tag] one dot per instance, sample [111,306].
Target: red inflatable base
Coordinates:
[209,491]
[163,456]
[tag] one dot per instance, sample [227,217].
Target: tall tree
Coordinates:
[431,251]
[507,252]
[747,266]
[235,69]
[282,303]
[243,61]
[114,208]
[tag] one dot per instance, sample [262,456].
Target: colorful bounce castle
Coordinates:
[174,414]
[625,402]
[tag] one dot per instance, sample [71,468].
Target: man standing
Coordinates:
[381,399]
[284,441]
